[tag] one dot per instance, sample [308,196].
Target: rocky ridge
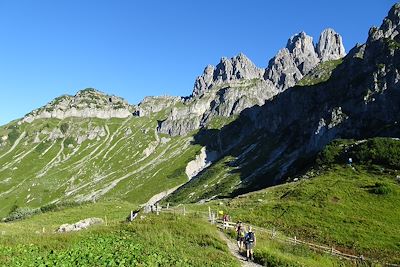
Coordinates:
[88,103]
[236,84]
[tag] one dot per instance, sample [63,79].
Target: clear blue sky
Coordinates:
[151,47]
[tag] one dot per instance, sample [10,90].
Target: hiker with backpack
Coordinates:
[250,240]
[240,230]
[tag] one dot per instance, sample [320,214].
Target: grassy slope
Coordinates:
[340,206]
[166,240]
[321,73]
[35,174]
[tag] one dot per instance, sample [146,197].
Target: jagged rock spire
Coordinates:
[300,56]
[228,70]
[330,45]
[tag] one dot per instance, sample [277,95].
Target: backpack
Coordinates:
[241,232]
[250,237]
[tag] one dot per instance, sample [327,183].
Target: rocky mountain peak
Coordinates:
[301,55]
[330,46]
[390,27]
[227,71]
[87,103]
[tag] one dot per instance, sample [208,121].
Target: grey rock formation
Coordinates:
[236,84]
[202,161]
[88,103]
[330,46]
[283,71]
[390,27]
[227,71]
[223,101]
[83,224]
[153,104]
[302,49]
[300,56]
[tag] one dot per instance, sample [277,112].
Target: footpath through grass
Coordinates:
[165,240]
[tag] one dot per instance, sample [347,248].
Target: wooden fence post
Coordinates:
[105,218]
[158,209]
[184,211]
[295,240]
[168,206]
[209,213]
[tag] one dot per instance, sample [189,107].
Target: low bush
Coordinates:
[381,189]
[21,213]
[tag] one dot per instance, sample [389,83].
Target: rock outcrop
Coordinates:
[227,71]
[83,224]
[202,161]
[300,56]
[88,103]
[236,84]
[154,104]
[330,46]
[390,27]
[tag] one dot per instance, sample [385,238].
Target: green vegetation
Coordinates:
[321,73]
[13,135]
[392,44]
[115,165]
[165,240]
[218,122]
[352,208]
[375,151]
[19,213]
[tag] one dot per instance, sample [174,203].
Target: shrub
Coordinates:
[68,141]
[382,151]
[13,135]
[331,154]
[21,213]
[381,189]
[64,127]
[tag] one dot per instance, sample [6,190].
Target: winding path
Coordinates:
[235,252]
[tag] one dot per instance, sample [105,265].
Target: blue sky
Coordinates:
[138,48]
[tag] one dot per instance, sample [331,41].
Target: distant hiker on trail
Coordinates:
[250,240]
[240,230]
[226,219]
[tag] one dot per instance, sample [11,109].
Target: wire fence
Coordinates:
[212,217]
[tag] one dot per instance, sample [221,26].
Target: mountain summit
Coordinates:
[88,103]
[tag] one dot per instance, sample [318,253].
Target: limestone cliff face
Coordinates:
[88,103]
[236,84]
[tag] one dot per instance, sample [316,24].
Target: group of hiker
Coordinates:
[245,240]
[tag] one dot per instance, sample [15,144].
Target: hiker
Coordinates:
[240,230]
[250,240]
[226,219]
